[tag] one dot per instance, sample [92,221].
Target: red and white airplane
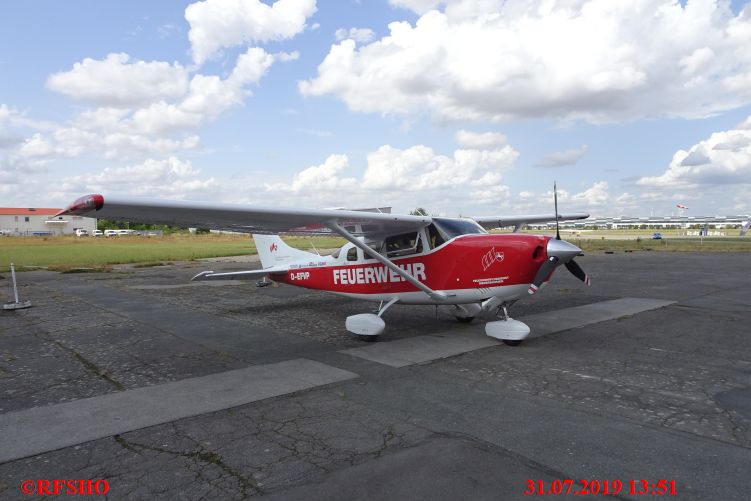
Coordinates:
[389,258]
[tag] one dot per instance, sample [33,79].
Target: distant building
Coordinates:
[652,222]
[42,222]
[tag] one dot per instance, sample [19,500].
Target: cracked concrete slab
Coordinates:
[42,429]
[550,322]
[441,468]
[421,349]
[662,394]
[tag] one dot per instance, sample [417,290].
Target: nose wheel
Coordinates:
[511,332]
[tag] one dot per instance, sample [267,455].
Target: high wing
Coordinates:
[254,219]
[243,218]
[518,222]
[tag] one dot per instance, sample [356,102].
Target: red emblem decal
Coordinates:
[492,256]
[273,247]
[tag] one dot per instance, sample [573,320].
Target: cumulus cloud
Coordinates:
[8,140]
[595,200]
[418,6]
[597,60]
[401,176]
[117,81]
[419,167]
[216,24]
[722,159]
[146,126]
[480,139]
[361,35]
[563,158]
[324,176]
[8,137]
[208,96]
[169,177]
[695,158]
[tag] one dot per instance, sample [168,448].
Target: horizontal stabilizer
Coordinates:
[237,275]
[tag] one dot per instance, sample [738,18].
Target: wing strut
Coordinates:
[437,295]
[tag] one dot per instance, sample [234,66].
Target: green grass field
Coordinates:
[675,244]
[66,253]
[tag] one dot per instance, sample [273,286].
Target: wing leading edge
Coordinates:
[242,218]
[254,219]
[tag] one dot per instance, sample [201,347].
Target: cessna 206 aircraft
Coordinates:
[389,258]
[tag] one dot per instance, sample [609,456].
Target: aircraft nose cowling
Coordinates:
[562,250]
[559,252]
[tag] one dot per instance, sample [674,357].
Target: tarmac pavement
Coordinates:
[261,391]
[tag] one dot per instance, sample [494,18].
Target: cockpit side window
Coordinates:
[434,237]
[455,227]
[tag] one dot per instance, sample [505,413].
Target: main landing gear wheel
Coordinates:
[367,326]
[465,313]
[512,342]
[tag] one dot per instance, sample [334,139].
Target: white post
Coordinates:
[13,276]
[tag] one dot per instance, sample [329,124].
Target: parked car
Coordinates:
[656,236]
[125,233]
[80,232]
[97,233]
[110,233]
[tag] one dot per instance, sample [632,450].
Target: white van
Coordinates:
[80,232]
[110,233]
[97,233]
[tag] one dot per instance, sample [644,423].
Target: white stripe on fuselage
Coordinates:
[454,296]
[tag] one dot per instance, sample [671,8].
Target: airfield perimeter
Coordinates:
[170,389]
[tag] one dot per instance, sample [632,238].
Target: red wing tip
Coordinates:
[84,204]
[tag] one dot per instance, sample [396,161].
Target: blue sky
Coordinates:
[459,106]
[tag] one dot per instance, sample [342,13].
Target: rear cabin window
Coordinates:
[403,245]
[352,254]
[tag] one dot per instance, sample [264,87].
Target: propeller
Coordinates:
[555,202]
[545,270]
[576,271]
[559,251]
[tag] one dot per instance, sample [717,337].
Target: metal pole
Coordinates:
[13,276]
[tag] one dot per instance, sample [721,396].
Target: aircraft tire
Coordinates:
[368,339]
[512,342]
[465,320]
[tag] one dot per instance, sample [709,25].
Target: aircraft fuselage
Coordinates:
[468,268]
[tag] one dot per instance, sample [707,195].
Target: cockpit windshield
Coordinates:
[454,227]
